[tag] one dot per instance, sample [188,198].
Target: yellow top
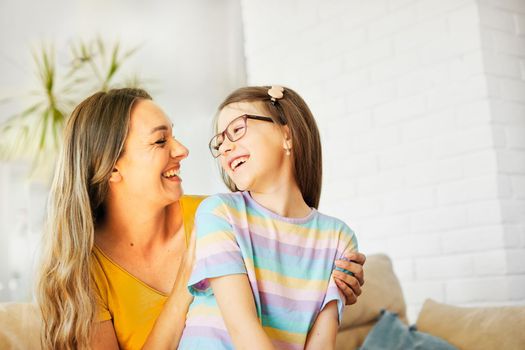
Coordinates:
[130,303]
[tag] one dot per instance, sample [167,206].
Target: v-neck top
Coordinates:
[131,304]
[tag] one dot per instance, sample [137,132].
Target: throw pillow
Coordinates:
[391,334]
[475,328]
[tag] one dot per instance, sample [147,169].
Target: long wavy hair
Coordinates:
[93,141]
[293,111]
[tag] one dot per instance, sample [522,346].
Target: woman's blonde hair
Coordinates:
[292,111]
[93,141]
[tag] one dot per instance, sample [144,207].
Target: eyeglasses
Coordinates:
[234,131]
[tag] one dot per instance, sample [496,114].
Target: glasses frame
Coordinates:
[244,117]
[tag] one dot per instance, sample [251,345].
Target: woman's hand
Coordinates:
[185,268]
[167,331]
[348,284]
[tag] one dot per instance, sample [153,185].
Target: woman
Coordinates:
[117,253]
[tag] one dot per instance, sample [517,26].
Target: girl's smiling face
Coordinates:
[257,161]
[149,165]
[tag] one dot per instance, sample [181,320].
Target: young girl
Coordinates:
[263,272]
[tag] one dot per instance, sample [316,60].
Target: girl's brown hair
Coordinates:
[93,141]
[290,110]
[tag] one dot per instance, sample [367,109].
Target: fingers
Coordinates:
[192,244]
[354,268]
[357,257]
[349,281]
[350,297]
[189,256]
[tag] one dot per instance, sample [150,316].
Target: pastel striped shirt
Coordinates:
[288,262]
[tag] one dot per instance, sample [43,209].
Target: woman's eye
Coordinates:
[161,142]
[237,130]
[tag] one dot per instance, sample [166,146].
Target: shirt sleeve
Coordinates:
[347,244]
[101,291]
[217,250]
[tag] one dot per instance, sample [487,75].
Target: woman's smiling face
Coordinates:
[149,166]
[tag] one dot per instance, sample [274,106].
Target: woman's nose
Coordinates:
[178,150]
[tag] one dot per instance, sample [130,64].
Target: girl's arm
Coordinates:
[323,332]
[235,299]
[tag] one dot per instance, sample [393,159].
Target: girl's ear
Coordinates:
[115,176]
[287,137]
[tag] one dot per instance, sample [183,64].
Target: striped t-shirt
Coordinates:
[288,262]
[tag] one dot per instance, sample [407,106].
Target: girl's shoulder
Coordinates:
[220,202]
[336,223]
[342,233]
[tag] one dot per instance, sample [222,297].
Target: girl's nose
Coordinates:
[226,146]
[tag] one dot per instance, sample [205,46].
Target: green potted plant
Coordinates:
[34,134]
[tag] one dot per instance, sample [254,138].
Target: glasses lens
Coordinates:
[236,129]
[215,143]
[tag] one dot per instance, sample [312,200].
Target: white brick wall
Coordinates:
[421,106]
[504,54]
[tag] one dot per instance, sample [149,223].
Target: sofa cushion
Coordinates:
[381,290]
[20,326]
[476,328]
[391,334]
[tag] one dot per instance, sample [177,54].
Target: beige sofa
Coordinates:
[501,328]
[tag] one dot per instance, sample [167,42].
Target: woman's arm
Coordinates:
[168,327]
[350,285]
[104,336]
[323,332]
[235,299]
[167,331]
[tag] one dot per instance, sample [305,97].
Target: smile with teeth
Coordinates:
[171,173]
[238,161]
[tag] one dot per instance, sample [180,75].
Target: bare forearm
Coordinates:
[167,331]
[235,300]
[323,332]
[168,327]
[250,337]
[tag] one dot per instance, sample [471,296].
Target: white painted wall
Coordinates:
[191,57]
[421,106]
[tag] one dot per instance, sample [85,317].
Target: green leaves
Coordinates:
[35,132]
